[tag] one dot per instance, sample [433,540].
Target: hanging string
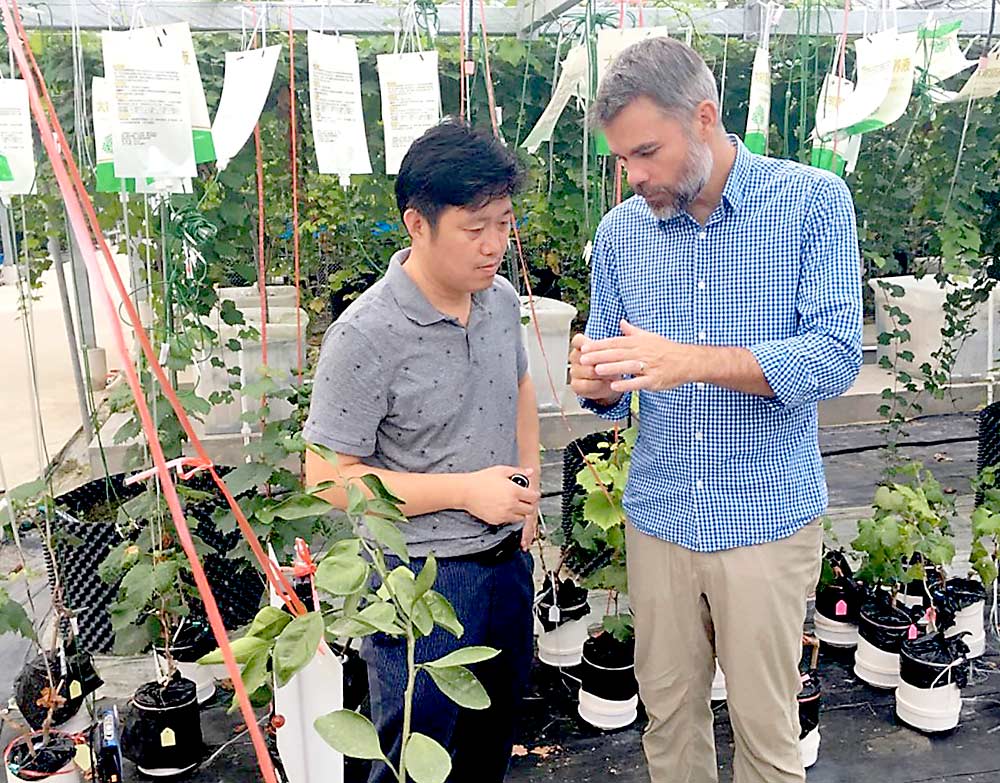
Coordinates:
[461,59]
[293,123]
[261,263]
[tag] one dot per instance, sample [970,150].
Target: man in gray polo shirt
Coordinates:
[423,381]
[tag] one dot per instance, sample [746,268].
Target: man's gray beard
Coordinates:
[698,169]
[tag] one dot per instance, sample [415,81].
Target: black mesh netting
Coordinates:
[988,448]
[163,726]
[578,560]
[934,662]
[84,532]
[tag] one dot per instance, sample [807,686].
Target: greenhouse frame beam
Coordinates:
[367,19]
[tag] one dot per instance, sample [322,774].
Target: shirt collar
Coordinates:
[408,296]
[736,182]
[411,299]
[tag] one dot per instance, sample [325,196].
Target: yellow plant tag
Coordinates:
[167,738]
[82,757]
[75,691]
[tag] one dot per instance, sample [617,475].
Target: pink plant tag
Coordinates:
[912,633]
[841,608]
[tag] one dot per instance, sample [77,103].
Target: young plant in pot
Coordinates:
[608,690]
[907,535]
[839,597]
[49,689]
[360,595]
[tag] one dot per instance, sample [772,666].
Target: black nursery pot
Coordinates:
[884,626]
[569,597]
[191,642]
[77,681]
[608,668]
[29,759]
[934,662]
[163,730]
[809,702]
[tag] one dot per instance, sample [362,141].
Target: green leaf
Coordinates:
[443,613]
[342,575]
[599,510]
[13,617]
[349,733]
[425,760]
[426,577]
[378,489]
[269,622]
[296,645]
[323,451]
[356,502]
[247,477]
[388,535]
[300,506]
[463,657]
[243,649]
[461,686]
[229,314]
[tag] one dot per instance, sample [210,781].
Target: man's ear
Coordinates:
[416,224]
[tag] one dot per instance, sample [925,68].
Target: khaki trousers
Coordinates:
[744,605]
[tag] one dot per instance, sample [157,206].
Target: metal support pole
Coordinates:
[55,250]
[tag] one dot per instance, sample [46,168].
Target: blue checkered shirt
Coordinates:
[776,269]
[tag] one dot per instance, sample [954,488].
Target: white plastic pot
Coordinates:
[605,714]
[563,646]
[809,748]
[553,318]
[924,303]
[875,666]
[834,632]
[970,619]
[202,676]
[929,709]
[71,773]
[718,683]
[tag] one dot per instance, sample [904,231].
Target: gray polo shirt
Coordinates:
[407,388]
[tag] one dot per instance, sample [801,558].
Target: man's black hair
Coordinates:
[453,165]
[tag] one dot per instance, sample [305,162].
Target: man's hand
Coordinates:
[529,532]
[584,381]
[492,497]
[655,362]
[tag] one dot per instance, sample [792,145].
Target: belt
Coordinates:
[497,553]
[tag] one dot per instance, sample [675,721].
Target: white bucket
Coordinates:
[554,319]
[718,683]
[69,774]
[929,709]
[834,632]
[605,714]
[809,748]
[875,666]
[970,619]
[200,675]
[563,646]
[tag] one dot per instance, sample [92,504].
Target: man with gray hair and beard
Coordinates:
[727,294]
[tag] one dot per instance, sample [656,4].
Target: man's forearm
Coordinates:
[421,493]
[729,367]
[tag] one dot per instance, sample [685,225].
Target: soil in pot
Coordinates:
[163,729]
[570,600]
[29,758]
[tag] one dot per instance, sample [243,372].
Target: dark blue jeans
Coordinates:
[494,603]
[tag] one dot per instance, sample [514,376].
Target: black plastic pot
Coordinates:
[570,598]
[77,681]
[27,758]
[844,588]
[934,661]
[608,668]
[954,596]
[163,728]
[810,698]
[883,625]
